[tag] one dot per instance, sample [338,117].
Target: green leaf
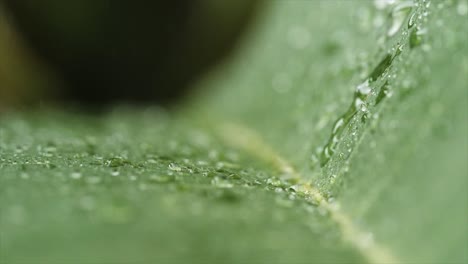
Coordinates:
[337,133]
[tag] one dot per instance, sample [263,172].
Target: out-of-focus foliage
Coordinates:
[22,78]
[108,52]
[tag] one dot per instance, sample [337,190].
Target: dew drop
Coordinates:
[363,88]
[75,175]
[364,91]
[174,167]
[412,20]
[293,188]
[332,179]
[358,103]
[364,108]
[221,183]
[338,125]
[399,14]
[49,165]
[383,93]
[116,162]
[381,68]
[273,182]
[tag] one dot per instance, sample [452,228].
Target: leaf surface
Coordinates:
[337,133]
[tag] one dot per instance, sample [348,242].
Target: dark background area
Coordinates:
[96,53]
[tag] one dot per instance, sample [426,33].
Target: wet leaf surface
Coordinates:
[336,134]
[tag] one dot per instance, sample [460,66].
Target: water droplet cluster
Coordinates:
[405,31]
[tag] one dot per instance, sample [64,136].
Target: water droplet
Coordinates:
[49,165]
[116,162]
[338,125]
[383,93]
[50,149]
[412,20]
[364,108]
[358,103]
[75,175]
[332,179]
[20,149]
[328,150]
[363,88]
[174,167]
[221,183]
[273,182]
[234,176]
[359,108]
[381,68]
[399,14]
[398,50]
[293,188]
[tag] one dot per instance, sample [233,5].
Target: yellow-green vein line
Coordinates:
[249,141]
